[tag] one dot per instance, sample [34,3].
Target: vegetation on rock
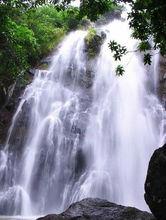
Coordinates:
[93,42]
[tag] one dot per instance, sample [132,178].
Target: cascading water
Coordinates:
[70,140]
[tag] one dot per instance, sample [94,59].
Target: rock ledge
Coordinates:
[98,209]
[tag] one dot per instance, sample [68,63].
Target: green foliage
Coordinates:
[30,29]
[17,43]
[144,46]
[94,8]
[72,18]
[148,21]
[27,33]
[120,70]
[118,50]
[91,8]
[91,34]
[47,25]
[147,59]
[93,43]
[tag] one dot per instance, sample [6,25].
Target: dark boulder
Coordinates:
[98,209]
[155,185]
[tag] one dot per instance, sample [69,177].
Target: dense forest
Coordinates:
[29,32]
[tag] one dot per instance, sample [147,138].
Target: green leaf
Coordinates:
[117,49]
[147,59]
[120,70]
[144,45]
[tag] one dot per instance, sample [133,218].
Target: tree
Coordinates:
[91,8]
[94,8]
[148,21]
[27,33]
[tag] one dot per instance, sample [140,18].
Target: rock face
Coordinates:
[7,109]
[155,185]
[98,209]
[93,42]
[162,80]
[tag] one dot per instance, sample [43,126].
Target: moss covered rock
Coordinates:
[93,42]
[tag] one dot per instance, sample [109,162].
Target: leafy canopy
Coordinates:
[94,8]
[28,32]
[148,21]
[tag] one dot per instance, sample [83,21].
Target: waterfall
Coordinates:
[81,131]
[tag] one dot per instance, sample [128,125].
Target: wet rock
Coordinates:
[93,42]
[8,107]
[162,79]
[98,209]
[86,80]
[47,60]
[155,185]
[85,23]
[19,132]
[44,63]
[2,96]
[32,71]
[75,120]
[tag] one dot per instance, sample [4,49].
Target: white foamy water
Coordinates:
[69,140]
